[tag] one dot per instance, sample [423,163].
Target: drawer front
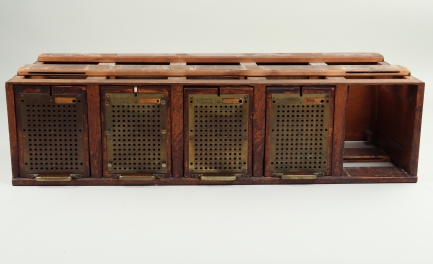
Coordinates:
[218,131]
[52,122]
[299,127]
[136,131]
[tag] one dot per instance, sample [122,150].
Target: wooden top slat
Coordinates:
[213,58]
[212,70]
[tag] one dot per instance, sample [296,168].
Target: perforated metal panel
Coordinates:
[136,133]
[299,132]
[218,133]
[52,133]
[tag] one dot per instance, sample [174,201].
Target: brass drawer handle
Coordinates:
[298,176]
[53,178]
[137,178]
[218,178]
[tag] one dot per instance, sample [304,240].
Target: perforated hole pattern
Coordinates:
[299,135]
[52,134]
[134,140]
[218,134]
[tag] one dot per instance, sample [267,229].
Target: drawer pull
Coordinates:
[298,176]
[137,178]
[52,178]
[218,178]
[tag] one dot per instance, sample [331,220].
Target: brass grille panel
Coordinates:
[299,132]
[136,133]
[53,133]
[218,133]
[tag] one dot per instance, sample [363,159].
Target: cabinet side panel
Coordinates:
[10,101]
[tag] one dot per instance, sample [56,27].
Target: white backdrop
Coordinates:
[369,223]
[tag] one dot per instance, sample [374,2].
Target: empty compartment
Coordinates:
[136,132]
[299,126]
[382,126]
[218,131]
[52,132]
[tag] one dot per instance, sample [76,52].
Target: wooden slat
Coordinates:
[365,155]
[375,172]
[222,57]
[177,78]
[318,63]
[213,70]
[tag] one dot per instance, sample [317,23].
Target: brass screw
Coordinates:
[163,165]
[246,96]
[163,131]
[163,102]
[109,165]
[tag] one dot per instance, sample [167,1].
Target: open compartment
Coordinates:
[382,130]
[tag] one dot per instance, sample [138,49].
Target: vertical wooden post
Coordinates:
[259,111]
[177,152]
[177,129]
[259,129]
[341,92]
[94,119]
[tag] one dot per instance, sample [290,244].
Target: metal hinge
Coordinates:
[298,176]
